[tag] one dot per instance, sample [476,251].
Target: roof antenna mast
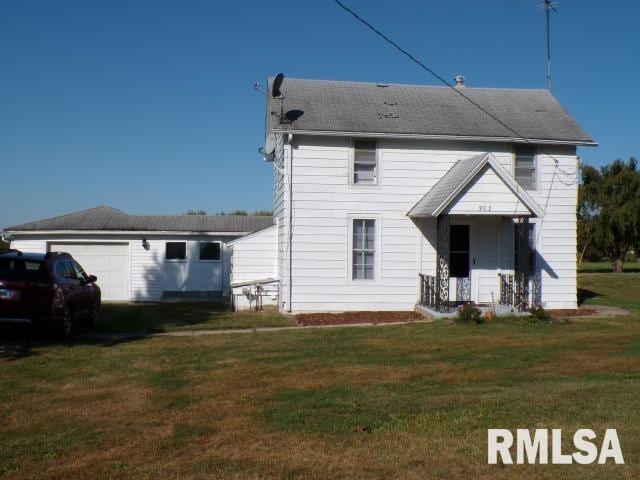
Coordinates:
[547,6]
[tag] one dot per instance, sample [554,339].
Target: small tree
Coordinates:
[3,245]
[611,202]
[587,209]
[196,212]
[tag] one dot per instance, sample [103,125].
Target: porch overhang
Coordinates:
[477,185]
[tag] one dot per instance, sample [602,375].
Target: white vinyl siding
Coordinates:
[255,257]
[324,206]
[487,195]
[148,274]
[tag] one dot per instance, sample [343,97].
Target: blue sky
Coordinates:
[147,106]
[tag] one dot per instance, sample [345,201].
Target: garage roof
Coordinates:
[110,219]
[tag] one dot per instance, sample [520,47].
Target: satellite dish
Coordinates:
[277,83]
[293,115]
[270,144]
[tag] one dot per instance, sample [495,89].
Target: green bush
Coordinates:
[468,313]
[539,314]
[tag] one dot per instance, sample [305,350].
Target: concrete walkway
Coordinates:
[197,333]
[602,311]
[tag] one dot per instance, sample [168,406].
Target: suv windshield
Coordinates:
[21,270]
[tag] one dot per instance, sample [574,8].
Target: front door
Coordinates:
[459,264]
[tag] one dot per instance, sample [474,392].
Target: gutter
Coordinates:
[251,235]
[418,136]
[120,232]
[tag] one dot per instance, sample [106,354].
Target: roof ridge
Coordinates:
[317,80]
[103,206]
[57,217]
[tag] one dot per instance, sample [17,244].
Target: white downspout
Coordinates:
[290,169]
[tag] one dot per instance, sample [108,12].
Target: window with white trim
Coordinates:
[210,251]
[364,249]
[525,166]
[365,162]
[175,251]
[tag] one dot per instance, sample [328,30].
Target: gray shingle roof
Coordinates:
[107,218]
[351,107]
[446,190]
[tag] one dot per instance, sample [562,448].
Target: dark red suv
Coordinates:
[50,290]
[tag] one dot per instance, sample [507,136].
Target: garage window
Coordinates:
[210,251]
[175,251]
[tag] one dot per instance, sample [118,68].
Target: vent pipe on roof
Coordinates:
[459,81]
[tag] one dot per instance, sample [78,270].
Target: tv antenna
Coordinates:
[547,6]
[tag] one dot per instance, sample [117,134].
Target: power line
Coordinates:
[441,79]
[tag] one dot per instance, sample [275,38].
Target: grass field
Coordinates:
[605,267]
[168,317]
[613,289]
[288,404]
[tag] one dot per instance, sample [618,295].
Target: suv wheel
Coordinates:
[94,313]
[65,323]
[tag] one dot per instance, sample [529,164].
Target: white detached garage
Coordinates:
[107,261]
[144,257]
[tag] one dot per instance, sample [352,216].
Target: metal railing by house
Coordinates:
[430,297]
[428,291]
[514,291]
[506,296]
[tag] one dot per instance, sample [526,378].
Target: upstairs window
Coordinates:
[525,166]
[175,251]
[364,249]
[365,162]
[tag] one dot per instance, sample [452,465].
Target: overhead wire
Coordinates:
[423,66]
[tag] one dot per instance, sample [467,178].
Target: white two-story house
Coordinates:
[391,196]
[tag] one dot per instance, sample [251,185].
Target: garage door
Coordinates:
[107,261]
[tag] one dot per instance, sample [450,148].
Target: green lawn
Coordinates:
[605,267]
[180,316]
[288,404]
[614,289]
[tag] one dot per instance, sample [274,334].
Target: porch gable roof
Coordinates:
[447,190]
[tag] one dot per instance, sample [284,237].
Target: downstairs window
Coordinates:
[364,241]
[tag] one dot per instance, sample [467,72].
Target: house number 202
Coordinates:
[484,208]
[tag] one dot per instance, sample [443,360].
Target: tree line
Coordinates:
[609,213]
